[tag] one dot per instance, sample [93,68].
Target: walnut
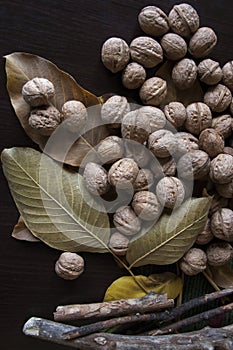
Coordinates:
[223,125]
[228,150]
[126,221]
[153,91]
[193,262]
[225,190]
[206,235]
[156,117]
[144,180]
[184,73]
[114,109]
[74,114]
[164,167]
[38,91]
[140,154]
[219,254]
[146,205]
[227,71]
[217,203]
[221,169]
[153,21]
[175,113]
[183,19]
[211,142]
[202,42]
[186,142]
[170,192]
[218,98]
[193,165]
[133,75]
[222,224]
[135,126]
[199,117]
[44,120]
[96,179]
[162,143]
[123,173]
[146,51]
[110,149]
[69,266]
[174,46]
[209,72]
[115,54]
[118,243]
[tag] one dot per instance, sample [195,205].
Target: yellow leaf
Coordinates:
[126,287]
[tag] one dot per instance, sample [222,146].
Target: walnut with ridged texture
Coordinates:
[110,149]
[206,235]
[146,205]
[193,262]
[218,98]
[96,179]
[69,266]
[184,73]
[221,169]
[146,51]
[193,165]
[170,192]
[156,117]
[115,54]
[133,76]
[74,115]
[114,109]
[211,142]
[209,71]
[144,180]
[153,21]
[135,126]
[219,254]
[174,46]
[227,71]
[44,120]
[126,221]
[222,224]
[175,113]
[38,92]
[153,91]
[118,243]
[123,173]
[162,143]
[223,125]
[184,19]
[198,117]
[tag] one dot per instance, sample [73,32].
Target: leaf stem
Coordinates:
[211,281]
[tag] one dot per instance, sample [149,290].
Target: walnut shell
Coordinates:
[164,167]
[193,262]
[184,73]
[44,120]
[162,143]
[186,142]
[74,114]
[156,117]
[225,190]
[217,203]
[38,92]
[126,221]
[219,254]
[146,51]
[118,244]
[174,46]
[144,180]
[183,19]
[222,224]
[206,235]
[218,98]
[193,165]
[228,150]
[114,109]
[133,76]
[175,113]
[69,266]
[96,179]
[198,117]
[146,205]
[170,192]
[202,42]
[211,142]
[123,173]
[227,71]
[209,72]
[135,126]
[221,169]
[153,21]
[153,91]
[110,149]
[139,153]
[223,125]
[115,54]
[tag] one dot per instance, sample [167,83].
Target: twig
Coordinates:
[211,281]
[204,316]
[205,339]
[149,303]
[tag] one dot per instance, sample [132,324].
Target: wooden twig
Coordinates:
[205,339]
[149,303]
[204,316]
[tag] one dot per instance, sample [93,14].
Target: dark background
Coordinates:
[70,34]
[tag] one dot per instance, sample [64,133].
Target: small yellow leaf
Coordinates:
[126,287]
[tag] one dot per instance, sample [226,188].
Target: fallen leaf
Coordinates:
[222,275]
[54,203]
[22,233]
[126,287]
[168,240]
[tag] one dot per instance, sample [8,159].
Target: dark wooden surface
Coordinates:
[70,34]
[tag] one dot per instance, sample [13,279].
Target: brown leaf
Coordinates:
[21,67]
[222,275]
[22,233]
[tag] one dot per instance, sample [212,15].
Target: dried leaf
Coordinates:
[126,287]
[22,233]
[171,236]
[53,202]
[21,67]
[193,94]
[222,275]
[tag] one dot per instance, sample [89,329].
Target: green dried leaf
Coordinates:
[126,287]
[22,233]
[168,240]
[222,275]
[52,202]
[21,67]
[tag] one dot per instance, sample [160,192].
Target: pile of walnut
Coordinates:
[189,143]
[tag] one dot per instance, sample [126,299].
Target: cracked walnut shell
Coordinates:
[69,266]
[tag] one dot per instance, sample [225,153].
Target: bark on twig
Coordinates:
[205,339]
[149,303]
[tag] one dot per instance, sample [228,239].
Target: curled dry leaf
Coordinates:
[221,275]
[173,234]
[21,67]
[22,233]
[126,287]
[54,203]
